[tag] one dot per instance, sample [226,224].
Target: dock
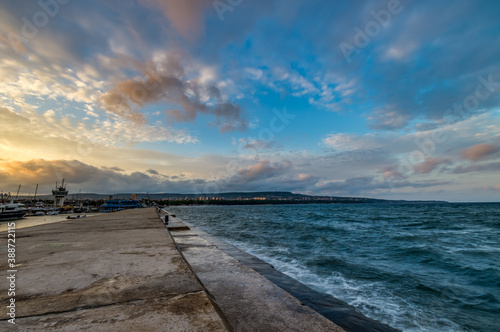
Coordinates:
[128,271]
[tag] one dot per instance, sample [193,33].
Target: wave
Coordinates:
[414,267]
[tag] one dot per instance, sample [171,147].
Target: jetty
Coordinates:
[146,270]
[124,271]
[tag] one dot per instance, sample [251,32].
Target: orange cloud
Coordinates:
[479,151]
[170,84]
[428,165]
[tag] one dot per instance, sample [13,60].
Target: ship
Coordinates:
[12,211]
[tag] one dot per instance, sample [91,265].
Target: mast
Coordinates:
[17,195]
[36,190]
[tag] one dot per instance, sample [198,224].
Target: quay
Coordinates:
[127,271]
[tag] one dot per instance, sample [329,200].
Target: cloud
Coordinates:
[389,119]
[262,170]
[166,82]
[479,151]
[425,126]
[57,138]
[79,175]
[429,164]
[307,177]
[403,74]
[255,144]
[401,155]
[88,178]
[350,142]
[185,16]
[390,172]
[116,169]
[368,185]
[485,167]
[494,187]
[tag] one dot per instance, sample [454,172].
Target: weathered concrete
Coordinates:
[115,272]
[249,301]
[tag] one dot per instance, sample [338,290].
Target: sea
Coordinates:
[415,267]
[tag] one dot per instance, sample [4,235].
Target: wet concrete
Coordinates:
[114,272]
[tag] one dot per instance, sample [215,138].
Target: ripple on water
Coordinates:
[415,267]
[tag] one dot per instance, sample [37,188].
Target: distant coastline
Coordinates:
[238,198]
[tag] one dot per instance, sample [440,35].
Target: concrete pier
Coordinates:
[125,271]
[114,272]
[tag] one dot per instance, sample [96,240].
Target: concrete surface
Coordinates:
[115,272]
[249,301]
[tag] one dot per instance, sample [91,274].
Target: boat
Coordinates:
[77,217]
[12,211]
[118,205]
[39,213]
[52,213]
[39,207]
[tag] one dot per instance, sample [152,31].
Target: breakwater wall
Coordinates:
[187,237]
[126,271]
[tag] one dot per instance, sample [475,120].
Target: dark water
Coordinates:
[416,267]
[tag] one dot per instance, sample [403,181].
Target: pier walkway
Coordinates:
[123,271]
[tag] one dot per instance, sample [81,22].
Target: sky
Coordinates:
[384,99]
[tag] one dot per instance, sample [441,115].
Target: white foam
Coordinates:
[371,298]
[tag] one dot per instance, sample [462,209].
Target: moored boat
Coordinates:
[12,211]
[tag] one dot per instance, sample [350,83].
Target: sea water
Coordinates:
[416,267]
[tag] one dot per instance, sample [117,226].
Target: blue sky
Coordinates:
[387,99]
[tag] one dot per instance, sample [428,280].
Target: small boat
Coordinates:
[39,213]
[39,207]
[12,211]
[77,217]
[52,213]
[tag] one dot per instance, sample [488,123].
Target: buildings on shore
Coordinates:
[85,201]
